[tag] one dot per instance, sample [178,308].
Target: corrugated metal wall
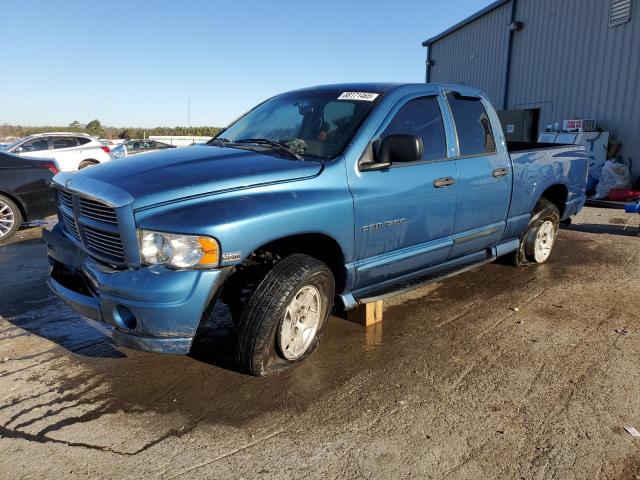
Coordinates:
[475,55]
[566,61]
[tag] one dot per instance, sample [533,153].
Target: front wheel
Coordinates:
[285,316]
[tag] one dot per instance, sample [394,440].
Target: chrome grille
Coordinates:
[70,225]
[65,199]
[98,211]
[93,224]
[108,244]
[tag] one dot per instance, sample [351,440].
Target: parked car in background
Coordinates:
[343,193]
[25,191]
[111,143]
[72,151]
[132,147]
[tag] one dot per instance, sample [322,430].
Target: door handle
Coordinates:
[443,182]
[501,172]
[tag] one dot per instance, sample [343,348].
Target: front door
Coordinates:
[36,148]
[484,177]
[404,216]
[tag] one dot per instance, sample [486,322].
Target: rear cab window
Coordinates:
[473,126]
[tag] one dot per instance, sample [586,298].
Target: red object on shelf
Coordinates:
[623,195]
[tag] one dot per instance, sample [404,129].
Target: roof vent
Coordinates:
[619,12]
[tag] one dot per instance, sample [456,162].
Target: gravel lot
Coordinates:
[455,383]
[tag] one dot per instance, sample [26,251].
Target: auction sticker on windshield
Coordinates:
[362,96]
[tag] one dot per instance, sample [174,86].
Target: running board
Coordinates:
[414,281]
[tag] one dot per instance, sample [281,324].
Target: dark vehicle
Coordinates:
[131,147]
[25,191]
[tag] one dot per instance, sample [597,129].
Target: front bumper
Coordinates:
[153,309]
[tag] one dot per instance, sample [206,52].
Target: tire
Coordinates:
[538,241]
[10,218]
[284,318]
[87,163]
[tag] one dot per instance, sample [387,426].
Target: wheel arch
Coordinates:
[88,161]
[557,194]
[317,245]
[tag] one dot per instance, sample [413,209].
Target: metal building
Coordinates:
[567,58]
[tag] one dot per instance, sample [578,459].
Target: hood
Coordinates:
[178,173]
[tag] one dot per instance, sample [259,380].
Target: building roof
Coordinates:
[466,21]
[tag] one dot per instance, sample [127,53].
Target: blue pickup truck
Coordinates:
[315,201]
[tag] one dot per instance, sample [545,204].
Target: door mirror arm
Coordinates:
[373,166]
[370,161]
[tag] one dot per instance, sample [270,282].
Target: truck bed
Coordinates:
[538,166]
[513,147]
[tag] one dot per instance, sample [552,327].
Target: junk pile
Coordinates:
[615,178]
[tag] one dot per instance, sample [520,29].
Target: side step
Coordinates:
[365,306]
[418,279]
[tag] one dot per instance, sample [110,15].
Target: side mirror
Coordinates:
[18,150]
[400,149]
[395,148]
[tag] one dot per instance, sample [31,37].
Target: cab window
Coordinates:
[421,117]
[475,135]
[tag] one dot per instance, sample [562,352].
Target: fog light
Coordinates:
[125,318]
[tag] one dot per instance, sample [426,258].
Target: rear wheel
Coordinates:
[540,238]
[285,316]
[87,163]
[10,218]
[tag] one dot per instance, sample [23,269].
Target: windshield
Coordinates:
[315,123]
[12,145]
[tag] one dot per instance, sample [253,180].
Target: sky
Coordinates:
[137,63]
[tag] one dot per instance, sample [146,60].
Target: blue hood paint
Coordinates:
[175,174]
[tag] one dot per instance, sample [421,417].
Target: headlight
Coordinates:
[178,251]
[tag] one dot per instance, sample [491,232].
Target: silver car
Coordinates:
[71,151]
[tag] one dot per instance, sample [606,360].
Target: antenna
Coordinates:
[189,103]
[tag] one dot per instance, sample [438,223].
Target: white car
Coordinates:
[71,151]
[132,147]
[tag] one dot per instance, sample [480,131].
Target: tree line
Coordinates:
[95,128]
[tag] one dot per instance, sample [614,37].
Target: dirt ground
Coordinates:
[455,383]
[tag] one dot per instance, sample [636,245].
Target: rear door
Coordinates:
[29,182]
[65,151]
[484,176]
[404,216]
[83,149]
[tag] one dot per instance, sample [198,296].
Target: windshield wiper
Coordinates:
[280,146]
[219,142]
